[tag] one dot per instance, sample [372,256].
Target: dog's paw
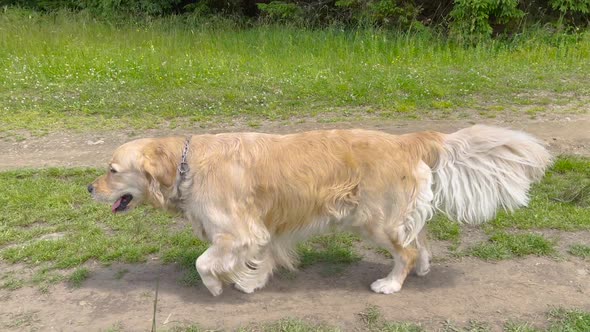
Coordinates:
[250,285]
[215,290]
[422,270]
[386,286]
[214,286]
[245,289]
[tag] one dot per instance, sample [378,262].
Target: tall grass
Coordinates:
[68,70]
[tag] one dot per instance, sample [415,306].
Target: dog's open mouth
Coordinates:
[121,204]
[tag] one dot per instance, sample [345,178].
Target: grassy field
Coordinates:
[69,71]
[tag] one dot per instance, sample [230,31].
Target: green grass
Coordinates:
[519,327]
[69,71]
[505,246]
[54,201]
[289,325]
[11,282]
[580,250]
[373,321]
[38,203]
[443,229]
[472,326]
[46,277]
[560,320]
[569,320]
[187,328]
[400,327]
[333,249]
[371,316]
[78,276]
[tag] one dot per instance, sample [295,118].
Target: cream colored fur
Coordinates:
[255,196]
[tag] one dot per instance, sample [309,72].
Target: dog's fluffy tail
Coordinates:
[483,168]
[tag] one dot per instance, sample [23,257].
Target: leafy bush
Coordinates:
[384,13]
[279,11]
[476,19]
[465,20]
[572,12]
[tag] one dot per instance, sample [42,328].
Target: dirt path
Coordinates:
[456,290]
[564,135]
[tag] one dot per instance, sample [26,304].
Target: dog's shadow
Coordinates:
[170,279]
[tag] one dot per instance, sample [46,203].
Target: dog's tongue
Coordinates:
[116,205]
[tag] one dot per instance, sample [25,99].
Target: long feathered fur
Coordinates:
[483,168]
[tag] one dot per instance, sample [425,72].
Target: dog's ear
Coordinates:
[159,170]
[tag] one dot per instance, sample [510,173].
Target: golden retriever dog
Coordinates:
[254,196]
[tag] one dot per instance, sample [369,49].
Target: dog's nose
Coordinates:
[90,188]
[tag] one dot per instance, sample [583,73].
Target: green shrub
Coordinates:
[572,12]
[466,20]
[279,11]
[474,20]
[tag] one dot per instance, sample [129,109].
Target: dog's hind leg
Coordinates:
[399,238]
[423,262]
[404,259]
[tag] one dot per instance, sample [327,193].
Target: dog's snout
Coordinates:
[90,188]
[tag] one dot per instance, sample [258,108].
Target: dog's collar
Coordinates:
[183,167]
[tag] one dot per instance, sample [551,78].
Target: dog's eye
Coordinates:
[112,170]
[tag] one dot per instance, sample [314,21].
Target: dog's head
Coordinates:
[140,170]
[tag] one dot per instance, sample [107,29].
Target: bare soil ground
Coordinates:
[459,290]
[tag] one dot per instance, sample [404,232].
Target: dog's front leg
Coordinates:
[258,271]
[206,267]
